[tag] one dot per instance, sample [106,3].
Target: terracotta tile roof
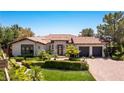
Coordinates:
[87,40]
[39,39]
[60,37]
[67,37]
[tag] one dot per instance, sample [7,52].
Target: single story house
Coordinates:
[88,46]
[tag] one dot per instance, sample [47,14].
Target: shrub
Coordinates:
[66,65]
[22,74]
[1,53]
[74,59]
[122,57]
[33,59]
[55,57]
[19,74]
[29,64]
[44,55]
[114,57]
[71,51]
[118,56]
[13,63]
[12,75]
[119,53]
[19,59]
[35,73]
[2,75]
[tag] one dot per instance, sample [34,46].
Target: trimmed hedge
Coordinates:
[66,65]
[19,59]
[33,59]
[74,59]
[28,64]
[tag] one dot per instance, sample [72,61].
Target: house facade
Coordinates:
[88,46]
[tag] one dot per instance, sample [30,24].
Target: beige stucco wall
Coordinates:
[39,47]
[90,48]
[57,43]
[16,47]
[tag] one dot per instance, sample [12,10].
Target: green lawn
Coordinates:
[62,75]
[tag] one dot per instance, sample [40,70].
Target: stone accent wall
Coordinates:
[57,43]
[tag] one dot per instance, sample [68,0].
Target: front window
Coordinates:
[27,50]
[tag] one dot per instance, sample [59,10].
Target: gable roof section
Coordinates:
[39,39]
[33,39]
[87,40]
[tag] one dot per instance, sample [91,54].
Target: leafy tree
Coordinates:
[20,32]
[2,54]
[8,36]
[87,32]
[113,25]
[15,28]
[11,33]
[112,30]
[1,34]
[71,51]
[25,32]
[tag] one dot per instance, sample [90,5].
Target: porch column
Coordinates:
[35,50]
[90,49]
[103,54]
[55,49]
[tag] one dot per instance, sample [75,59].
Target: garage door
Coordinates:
[97,51]
[84,51]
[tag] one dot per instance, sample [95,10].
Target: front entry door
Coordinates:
[60,50]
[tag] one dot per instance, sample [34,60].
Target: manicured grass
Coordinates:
[63,75]
[2,75]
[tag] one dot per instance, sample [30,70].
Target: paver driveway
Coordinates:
[106,69]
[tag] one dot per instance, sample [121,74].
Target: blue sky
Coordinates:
[53,22]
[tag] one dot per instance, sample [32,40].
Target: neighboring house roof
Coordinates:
[87,40]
